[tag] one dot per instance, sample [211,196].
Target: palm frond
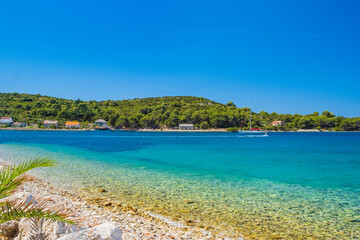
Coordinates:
[37,231]
[16,210]
[11,176]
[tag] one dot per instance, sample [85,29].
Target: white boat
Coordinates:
[253,131]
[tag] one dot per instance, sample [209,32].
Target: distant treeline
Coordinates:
[161,112]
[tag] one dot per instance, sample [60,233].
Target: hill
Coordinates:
[160,112]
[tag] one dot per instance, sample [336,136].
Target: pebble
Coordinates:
[133,225]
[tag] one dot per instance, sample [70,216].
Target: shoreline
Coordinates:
[221,130]
[115,130]
[92,210]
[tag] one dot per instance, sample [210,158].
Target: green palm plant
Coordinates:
[11,177]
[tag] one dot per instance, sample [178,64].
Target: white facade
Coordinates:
[19,124]
[277,123]
[6,120]
[48,123]
[72,125]
[186,126]
[100,123]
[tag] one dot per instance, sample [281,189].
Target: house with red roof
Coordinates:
[277,123]
[6,121]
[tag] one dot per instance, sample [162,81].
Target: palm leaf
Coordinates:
[10,177]
[14,210]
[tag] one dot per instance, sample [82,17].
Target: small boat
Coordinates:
[253,131]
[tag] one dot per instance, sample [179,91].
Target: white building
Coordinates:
[186,126]
[6,121]
[73,124]
[277,123]
[49,123]
[100,123]
[19,124]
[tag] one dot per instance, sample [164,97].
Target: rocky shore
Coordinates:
[98,218]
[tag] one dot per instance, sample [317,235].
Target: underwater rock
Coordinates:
[184,211]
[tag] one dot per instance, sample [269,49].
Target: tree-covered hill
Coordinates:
[159,112]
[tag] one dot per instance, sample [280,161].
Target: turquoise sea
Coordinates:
[287,185]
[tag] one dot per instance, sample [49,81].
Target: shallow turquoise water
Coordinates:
[287,184]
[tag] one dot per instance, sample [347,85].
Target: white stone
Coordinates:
[108,231]
[23,196]
[85,234]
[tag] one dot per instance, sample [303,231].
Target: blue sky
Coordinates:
[290,56]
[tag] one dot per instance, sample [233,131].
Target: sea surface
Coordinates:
[286,185]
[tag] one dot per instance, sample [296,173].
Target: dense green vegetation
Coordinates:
[161,112]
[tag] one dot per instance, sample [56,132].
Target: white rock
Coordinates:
[56,229]
[85,234]
[23,196]
[52,230]
[108,231]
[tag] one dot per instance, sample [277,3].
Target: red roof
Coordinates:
[5,117]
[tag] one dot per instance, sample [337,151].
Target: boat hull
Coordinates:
[253,133]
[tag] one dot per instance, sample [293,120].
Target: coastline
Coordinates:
[116,130]
[220,130]
[93,210]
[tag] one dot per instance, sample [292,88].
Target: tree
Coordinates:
[162,111]
[306,123]
[204,125]
[147,122]
[112,120]
[231,104]
[327,114]
[122,122]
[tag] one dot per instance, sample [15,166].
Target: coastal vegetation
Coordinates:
[161,112]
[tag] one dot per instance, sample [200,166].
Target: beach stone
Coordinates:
[56,229]
[52,230]
[23,196]
[102,190]
[84,234]
[108,231]
[10,229]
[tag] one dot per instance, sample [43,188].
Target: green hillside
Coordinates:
[159,112]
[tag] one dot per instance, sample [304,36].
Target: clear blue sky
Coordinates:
[291,56]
